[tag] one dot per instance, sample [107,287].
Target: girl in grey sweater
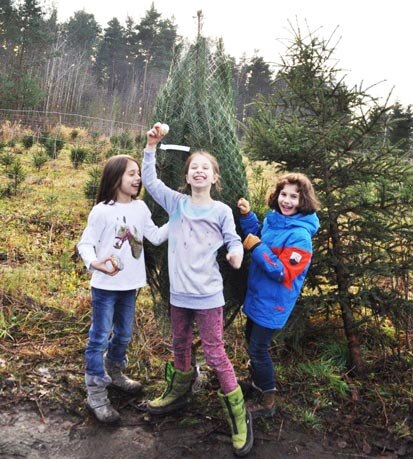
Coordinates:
[198,227]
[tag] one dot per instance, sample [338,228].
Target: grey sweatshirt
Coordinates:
[195,235]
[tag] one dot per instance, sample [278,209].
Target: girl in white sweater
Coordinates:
[111,247]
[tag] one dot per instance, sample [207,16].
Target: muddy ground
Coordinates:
[39,429]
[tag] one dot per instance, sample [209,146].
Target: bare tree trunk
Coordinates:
[353,343]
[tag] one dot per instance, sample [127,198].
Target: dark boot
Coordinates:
[239,419]
[247,384]
[176,394]
[97,399]
[119,380]
[264,405]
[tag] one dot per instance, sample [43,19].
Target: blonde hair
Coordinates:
[308,202]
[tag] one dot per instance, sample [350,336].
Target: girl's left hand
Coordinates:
[234,259]
[243,206]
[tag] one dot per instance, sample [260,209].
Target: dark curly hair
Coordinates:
[308,202]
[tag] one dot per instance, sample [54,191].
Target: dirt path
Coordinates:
[30,430]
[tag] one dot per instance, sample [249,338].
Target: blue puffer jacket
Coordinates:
[278,266]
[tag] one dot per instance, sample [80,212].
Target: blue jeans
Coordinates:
[113,314]
[259,341]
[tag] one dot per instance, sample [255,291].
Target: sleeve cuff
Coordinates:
[255,246]
[150,149]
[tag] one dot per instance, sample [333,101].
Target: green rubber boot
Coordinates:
[176,394]
[239,420]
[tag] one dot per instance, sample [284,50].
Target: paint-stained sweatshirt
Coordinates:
[196,233]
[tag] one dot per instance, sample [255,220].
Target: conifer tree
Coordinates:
[401,128]
[336,135]
[197,104]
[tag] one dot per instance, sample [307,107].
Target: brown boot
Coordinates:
[264,405]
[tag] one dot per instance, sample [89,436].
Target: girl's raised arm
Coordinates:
[162,194]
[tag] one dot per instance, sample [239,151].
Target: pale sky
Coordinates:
[374,39]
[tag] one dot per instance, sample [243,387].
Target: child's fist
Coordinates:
[155,135]
[251,241]
[243,206]
[234,259]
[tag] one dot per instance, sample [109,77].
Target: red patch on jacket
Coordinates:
[279,308]
[294,260]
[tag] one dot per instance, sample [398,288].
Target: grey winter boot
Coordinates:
[119,380]
[97,399]
[177,392]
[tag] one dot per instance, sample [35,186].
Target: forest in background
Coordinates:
[348,347]
[114,72]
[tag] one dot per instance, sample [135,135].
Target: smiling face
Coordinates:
[200,174]
[130,183]
[289,199]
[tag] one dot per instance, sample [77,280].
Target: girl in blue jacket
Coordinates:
[281,251]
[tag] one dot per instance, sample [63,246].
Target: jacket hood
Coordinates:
[278,221]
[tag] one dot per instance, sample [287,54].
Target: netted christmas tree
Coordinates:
[197,104]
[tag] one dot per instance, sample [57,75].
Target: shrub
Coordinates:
[93,156]
[16,175]
[6,159]
[92,185]
[39,159]
[44,137]
[74,133]
[53,146]
[28,141]
[78,156]
[122,141]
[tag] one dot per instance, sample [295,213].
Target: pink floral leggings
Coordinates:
[211,330]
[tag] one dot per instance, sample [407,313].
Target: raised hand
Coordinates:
[156,134]
[243,206]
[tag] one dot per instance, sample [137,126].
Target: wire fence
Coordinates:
[38,121]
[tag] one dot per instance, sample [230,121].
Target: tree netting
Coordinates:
[197,103]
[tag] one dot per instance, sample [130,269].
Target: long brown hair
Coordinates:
[111,178]
[308,202]
[186,187]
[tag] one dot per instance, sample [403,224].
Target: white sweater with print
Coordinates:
[118,229]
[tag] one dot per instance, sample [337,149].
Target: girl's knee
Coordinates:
[217,360]
[97,343]
[256,353]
